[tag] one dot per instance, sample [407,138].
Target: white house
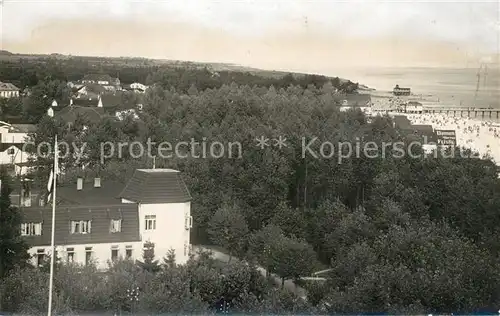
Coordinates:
[100,79]
[8,90]
[14,156]
[76,85]
[13,138]
[135,87]
[102,222]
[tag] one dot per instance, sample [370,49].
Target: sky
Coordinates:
[303,35]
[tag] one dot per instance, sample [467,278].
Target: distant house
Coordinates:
[72,112]
[398,91]
[24,128]
[100,79]
[421,133]
[135,87]
[14,157]
[75,85]
[414,107]
[12,146]
[90,91]
[8,90]
[108,101]
[15,133]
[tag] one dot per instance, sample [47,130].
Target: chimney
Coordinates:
[97,182]
[79,183]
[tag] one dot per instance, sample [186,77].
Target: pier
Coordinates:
[464,112]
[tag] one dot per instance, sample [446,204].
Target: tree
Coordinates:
[261,244]
[13,248]
[169,260]
[148,255]
[291,221]
[292,259]
[228,229]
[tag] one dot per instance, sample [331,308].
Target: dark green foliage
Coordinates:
[13,249]
[228,229]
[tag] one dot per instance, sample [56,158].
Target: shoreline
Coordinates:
[480,136]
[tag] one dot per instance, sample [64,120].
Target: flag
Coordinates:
[53,173]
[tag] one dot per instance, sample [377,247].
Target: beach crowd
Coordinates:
[482,137]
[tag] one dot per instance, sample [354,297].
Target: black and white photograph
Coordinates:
[249,157]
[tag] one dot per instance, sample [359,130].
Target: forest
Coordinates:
[398,234]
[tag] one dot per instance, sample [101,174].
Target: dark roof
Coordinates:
[100,216]
[110,101]
[24,128]
[156,186]
[14,119]
[88,102]
[68,195]
[70,113]
[89,195]
[93,88]
[414,103]
[5,146]
[419,131]
[397,87]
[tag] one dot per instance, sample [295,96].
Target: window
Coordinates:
[31,229]
[114,253]
[26,200]
[88,255]
[150,222]
[128,252]
[11,151]
[80,227]
[40,256]
[70,254]
[116,226]
[189,222]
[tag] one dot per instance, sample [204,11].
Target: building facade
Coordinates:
[398,91]
[13,138]
[104,221]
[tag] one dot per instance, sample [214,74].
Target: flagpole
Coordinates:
[51,280]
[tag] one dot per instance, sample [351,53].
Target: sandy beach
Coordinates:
[482,137]
[443,88]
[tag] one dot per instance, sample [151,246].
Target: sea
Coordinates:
[454,87]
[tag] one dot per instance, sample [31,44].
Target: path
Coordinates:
[289,285]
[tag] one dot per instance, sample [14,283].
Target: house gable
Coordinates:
[156,186]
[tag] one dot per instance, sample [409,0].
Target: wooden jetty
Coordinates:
[463,112]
